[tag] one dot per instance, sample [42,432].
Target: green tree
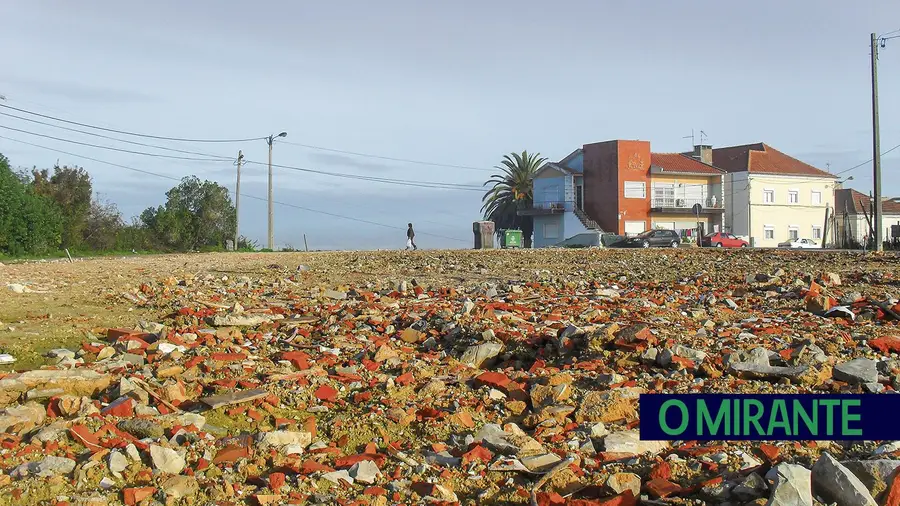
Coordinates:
[196,215]
[71,189]
[103,225]
[30,224]
[510,190]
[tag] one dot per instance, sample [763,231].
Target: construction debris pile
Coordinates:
[252,391]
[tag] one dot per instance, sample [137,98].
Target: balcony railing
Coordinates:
[545,207]
[677,203]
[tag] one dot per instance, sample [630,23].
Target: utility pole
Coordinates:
[876,148]
[270,140]
[237,201]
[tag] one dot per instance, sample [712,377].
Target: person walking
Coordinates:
[410,238]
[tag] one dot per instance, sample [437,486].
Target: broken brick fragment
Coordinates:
[132,496]
[326,393]
[478,453]
[661,488]
[231,453]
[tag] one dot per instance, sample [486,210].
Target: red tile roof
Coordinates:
[761,158]
[680,164]
[857,200]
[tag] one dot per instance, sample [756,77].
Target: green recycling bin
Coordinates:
[511,239]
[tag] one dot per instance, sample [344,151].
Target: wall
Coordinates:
[540,241]
[572,225]
[736,203]
[550,187]
[781,214]
[607,165]
[577,163]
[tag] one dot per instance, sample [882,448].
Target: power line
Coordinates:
[359,177]
[302,208]
[85,132]
[91,159]
[217,158]
[865,162]
[156,155]
[404,160]
[133,134]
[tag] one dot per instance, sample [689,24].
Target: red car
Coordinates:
[723,240]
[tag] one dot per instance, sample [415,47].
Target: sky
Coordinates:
[449,83]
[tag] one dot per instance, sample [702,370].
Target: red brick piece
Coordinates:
[662,470]
[886,344]
[231,453]
[893,495]
[132,496]
[660,488]
[477,453]
[326,393]
[493,379]
[276,481]
[122,407]
[298,359]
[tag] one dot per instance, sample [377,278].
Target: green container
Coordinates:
[512,239]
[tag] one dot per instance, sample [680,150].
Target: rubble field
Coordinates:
[434,377]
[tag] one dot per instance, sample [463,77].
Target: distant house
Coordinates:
[853,213]
[771,196]
[622,187]
[558,198]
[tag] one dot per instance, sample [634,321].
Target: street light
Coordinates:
[270,140]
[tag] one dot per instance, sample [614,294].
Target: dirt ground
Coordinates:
[48,305]
[70,300]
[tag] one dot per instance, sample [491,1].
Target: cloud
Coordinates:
[347,161]
[78,91]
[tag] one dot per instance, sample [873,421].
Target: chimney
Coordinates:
[703,152]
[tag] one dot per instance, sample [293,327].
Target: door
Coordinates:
[633,227]
[579,197]
[660,238]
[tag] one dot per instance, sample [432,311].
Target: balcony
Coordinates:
[682,205]
[545,208]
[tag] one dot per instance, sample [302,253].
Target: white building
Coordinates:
[771,197]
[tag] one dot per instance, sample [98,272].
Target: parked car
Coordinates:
[798,244]
[723,240]
[659,238]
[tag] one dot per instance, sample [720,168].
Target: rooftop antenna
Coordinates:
[703,137]
[691,137]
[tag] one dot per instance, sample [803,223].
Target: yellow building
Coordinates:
[679,182]
[771,197]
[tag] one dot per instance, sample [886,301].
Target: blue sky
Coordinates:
[458,83]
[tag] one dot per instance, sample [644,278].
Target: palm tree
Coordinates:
[510,190]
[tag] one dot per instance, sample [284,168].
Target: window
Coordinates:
[794,197]
[769,231]
[816,198]
[635,190]
[793,233]
[551,231]
[817,233]
[663,195]
[769,196]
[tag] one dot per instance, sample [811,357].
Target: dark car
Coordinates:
[723,240]
[659,238]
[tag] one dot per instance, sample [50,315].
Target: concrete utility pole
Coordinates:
[237,201]
[876,148]
[270,140]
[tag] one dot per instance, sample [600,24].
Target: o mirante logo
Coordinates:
[708,417]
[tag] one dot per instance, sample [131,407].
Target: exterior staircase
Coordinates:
[587,221]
